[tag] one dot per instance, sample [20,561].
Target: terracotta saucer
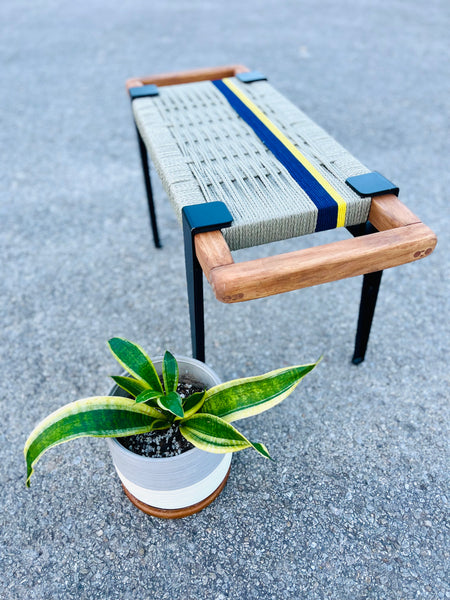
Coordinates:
[176,513]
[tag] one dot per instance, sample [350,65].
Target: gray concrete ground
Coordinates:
[356,504]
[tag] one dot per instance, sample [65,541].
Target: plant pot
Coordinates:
[176,486]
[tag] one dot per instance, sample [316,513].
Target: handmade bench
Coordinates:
[243,166]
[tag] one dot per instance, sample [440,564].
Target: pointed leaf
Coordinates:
[150,397]
[101,416]
[193,403]
[162,424]
[133,358]
[261,449]
[170,372]
[242,398]
[131,385]
[213,434]
[172,403]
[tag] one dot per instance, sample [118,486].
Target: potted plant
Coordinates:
[168,425]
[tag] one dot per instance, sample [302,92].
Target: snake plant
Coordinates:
[204,418]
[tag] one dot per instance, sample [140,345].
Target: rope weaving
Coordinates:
[204,151]
[330,204]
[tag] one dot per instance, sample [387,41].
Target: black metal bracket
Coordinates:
[371,184]
[199,218]
[251,76]
[143,91]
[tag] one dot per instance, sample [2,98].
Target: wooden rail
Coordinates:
[187,76]
[402,238]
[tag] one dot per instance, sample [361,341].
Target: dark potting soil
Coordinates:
[167,442]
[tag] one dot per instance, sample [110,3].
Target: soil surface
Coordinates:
[168,442]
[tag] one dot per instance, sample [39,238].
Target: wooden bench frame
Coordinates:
[397,236]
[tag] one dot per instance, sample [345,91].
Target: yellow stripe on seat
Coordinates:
[341,203]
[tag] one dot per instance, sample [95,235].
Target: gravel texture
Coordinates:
[356,504]
[157,444]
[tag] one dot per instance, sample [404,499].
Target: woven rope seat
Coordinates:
[203,151]
[243,166]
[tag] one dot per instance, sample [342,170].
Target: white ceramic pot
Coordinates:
[179,485]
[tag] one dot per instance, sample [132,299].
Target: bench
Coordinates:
[243,166]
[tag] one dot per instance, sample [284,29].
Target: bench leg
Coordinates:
[369,295]
[194,279]
[199,218]
[148,188]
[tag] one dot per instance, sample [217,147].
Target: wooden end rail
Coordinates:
[187,76]
[401,238]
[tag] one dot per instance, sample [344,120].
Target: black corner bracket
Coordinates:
[371,184]
[200,218]
[251,76]
[143,91]
[207,216]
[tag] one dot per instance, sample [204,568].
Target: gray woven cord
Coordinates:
[331,159]
[203,151]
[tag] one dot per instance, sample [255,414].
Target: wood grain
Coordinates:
[187,76]
[402,238]
[387,212]
[212,251]
[313,266]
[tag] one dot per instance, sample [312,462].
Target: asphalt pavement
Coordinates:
[356,503]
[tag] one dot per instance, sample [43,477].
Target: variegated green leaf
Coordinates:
[172,403]
[213,434]
[170,372]
[261,449]
[131,385]
[242,398]
[193,403]
[101,416]
[159,425]
[150,397]
[133,358]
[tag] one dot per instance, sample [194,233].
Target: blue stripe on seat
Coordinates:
[326,205]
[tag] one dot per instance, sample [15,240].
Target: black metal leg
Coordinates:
[369,295]
[199,218]
[371,285]
[148,188]
[194,278]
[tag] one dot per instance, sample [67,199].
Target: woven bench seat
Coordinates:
[243,166]
[203,151]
